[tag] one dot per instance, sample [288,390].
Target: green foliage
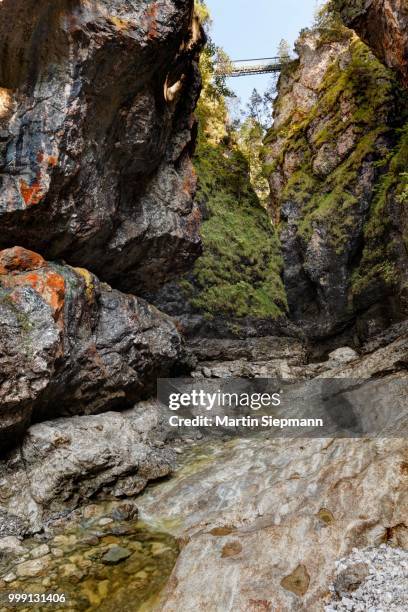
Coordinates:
[379,255]
[239,272]
[367,89]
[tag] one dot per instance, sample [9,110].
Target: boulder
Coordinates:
[72,345]
[64,462]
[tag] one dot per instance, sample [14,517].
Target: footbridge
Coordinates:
[260,65]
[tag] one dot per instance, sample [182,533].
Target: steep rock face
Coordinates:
[96,134]
[72,345]
[333,137]
[383,25]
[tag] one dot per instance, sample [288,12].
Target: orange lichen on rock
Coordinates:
[48,284]
[18,259]
[151,14]
[34,191]
[32,194]
[20,267]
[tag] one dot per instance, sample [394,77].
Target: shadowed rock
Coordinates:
[96,135]
[72,345]
[383,25]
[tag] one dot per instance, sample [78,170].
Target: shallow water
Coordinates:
[98,563]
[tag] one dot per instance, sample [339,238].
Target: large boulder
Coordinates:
[383,25]
[72,345]
[96,135]
[64,462]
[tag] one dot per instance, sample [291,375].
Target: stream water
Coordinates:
[98,562]
[102,557]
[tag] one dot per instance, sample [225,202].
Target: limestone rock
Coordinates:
[383,25]
[271,517]
[343,355]
[64,462]
[72,345]
[97,132]
[334,121]
[268,495]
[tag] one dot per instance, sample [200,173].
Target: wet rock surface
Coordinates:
[72,345]
[100,558]
[96,135]
[63,463]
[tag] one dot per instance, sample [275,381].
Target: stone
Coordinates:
[39,551]
[107,171]
[373,578]
[116,555]
[343,355]
[57,552]
[68,461]
[32,568]
[72,345]
[350,578]
[10,545]
[383,26]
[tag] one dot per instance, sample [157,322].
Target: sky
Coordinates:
[254,28]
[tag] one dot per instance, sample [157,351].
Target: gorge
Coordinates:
[135,246]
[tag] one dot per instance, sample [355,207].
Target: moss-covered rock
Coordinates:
[239,273]
[332,157]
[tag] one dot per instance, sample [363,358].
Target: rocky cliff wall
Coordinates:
[383,25]
[96,134]
[335,160]
[96,137]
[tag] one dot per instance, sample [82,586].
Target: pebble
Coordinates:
[32,568]
[39,551]
[105,521]
[116,555]
[384,589]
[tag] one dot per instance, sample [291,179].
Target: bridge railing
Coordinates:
[245,67]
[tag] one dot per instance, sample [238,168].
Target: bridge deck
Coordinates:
[243,67]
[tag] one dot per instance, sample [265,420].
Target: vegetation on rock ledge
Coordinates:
[239,273]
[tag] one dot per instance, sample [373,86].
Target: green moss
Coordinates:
[378,261]
[239,271]
[368,90]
